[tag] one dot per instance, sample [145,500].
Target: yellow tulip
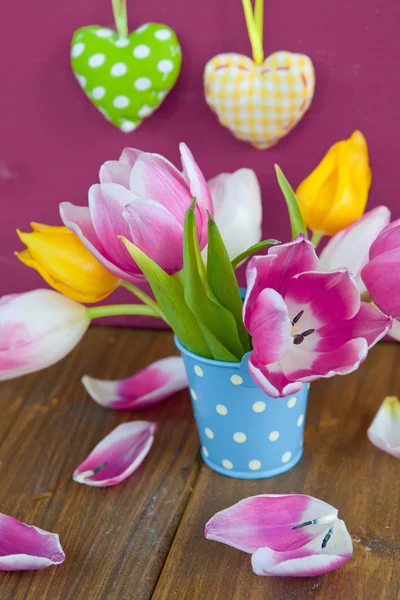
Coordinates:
[334,195]
[65,264]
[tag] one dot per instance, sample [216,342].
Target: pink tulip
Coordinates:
[305,324]
[382,273]
[289,535]
[143,198]
[384,431]
[26,547]
[118,455]
[37,329]
[350,247]
[150,386]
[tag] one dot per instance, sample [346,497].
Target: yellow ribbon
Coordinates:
[254,23]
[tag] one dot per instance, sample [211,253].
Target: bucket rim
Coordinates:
[207,361]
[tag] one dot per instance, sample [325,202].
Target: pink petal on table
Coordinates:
[384,431]
[327,551]
[281,522]
[151,385]
[26,547]
[269,325]
[118,455]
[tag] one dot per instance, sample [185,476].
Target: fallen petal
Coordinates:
[384,431]
[151,385]
[280,522]
[326,552]
[26,547]
[118,455]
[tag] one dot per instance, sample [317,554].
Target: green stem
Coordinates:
[145,298]
[113,310]
[316,237]
[120,17]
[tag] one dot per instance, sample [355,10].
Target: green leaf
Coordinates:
[223,282]
[200,299]
[170,297]
[218,351]
[296,218]
[252,250]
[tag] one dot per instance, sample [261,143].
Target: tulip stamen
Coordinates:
[297,318]
[327,538]
[305,524]
[99,468]
[299,338]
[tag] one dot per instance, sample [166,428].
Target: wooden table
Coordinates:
[144,538]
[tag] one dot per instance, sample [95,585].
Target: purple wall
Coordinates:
[52,140]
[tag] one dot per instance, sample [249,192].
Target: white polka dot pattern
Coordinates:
[209,433]
[199,371]
[121,101]
[246,433]
[254,465]
[227,464]
[119,69]
[96,60]
[142,67]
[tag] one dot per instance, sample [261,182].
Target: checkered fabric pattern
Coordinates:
[259,103]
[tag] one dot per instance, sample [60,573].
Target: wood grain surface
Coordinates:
[116,539]
[339,466]
[144,538]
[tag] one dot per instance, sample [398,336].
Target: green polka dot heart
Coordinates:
[126,78]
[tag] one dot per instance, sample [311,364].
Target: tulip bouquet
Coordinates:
[248,355]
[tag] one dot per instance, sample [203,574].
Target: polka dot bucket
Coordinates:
[243,432]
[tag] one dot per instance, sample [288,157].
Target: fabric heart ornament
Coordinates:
[126,77]
[259,103]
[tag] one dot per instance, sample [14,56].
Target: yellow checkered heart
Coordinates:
[259,103]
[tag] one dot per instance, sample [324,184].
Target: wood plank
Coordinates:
[339,466]
[116,539]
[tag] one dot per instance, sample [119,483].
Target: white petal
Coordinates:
[384,431]
[237,209]
[310,560]
[349,248]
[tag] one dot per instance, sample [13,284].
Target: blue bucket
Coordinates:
[243,432]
